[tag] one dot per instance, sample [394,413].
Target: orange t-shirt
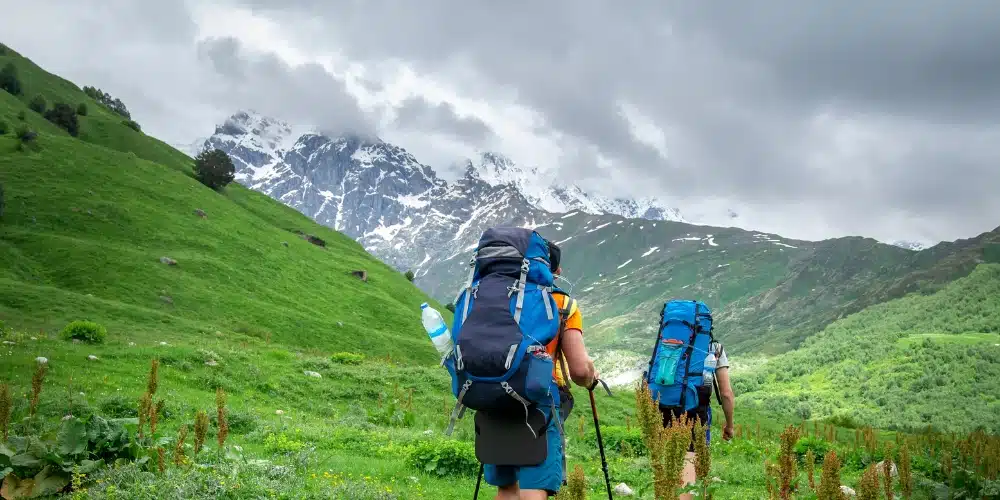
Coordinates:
[575,321]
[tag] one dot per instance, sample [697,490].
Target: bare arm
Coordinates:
[726,395]
[581,367]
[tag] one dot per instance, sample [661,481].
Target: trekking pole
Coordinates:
[597,427]
[475,496]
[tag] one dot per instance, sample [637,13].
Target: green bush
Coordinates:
[64,116]
[38,104]
[444,458]
[410,276]
[86,331]
[9,80]
[346,358]
[215,169]
[82,109]
[282,444]
[132,124]
[818,446]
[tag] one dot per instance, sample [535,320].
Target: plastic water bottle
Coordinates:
[437,330]
[708,375]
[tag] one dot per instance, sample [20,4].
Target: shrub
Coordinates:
[82,109]
[86,331]
[64,116]
[214,168]
[818,446]
[280,443]
[132,125]
[410,276]
[38,104]
[119,406]
[9,80]
[444,458]
[344,358]
[25,134]
[115,105]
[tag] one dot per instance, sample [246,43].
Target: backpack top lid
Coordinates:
[683,311]
[504,250]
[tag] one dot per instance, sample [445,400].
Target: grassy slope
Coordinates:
[87,224]
[908,363]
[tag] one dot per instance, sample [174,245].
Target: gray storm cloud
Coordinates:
[874,118]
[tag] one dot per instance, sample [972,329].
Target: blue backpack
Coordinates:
[504,318]
[675,369]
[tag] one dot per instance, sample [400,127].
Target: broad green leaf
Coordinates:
[49,481]
[19,443]
[4,472]
[72,437]
[88,466]
[25,460]
[5,451]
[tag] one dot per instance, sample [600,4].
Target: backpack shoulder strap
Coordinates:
[564,311]
[715,380]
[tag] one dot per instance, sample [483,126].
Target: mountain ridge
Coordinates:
[621,258]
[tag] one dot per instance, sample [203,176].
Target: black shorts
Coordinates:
[671,415]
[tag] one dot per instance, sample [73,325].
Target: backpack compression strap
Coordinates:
[695,327]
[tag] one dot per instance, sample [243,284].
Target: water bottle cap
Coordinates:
[424,305]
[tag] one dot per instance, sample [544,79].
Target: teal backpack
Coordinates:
[675,369]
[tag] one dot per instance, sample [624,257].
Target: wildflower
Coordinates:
[868,485]
[179,457]
[6,403]
[786,461]
[154,377]
[905,479]
[36,384]
[810,467]
[200,429]
[829,482]
[220,403]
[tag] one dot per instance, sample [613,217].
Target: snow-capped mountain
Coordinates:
[910,245]
[398,208]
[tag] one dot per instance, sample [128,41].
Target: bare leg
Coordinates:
[507,492]
[688,476]
[534,495]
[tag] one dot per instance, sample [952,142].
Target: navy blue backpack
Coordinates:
[678,360]
[504,317]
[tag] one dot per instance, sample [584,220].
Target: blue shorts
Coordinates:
[547,475]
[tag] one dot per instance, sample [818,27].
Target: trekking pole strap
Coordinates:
[602,383]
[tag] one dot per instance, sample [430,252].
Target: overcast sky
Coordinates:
[808,119]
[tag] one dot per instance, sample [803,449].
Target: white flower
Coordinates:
[42,360]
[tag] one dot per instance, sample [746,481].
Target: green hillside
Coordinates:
[769,293]
[906,364]
[87,221]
